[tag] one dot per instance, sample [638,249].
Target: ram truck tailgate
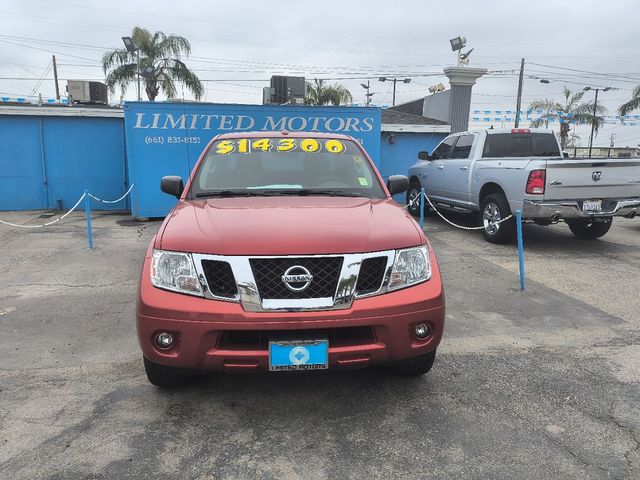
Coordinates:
[592,179]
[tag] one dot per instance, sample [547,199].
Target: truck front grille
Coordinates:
[371,275]
[259,339]
[220,278]
[268,274]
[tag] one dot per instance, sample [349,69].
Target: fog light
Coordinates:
[422,330]
[164,340]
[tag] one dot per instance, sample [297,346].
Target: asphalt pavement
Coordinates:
[530,385]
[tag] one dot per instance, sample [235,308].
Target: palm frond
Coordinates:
[173,45]
[180,72]
[320,93]
[632,104]
[144,40]
[121,76]
[116,57]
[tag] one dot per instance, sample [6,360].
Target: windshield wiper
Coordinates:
[308,191]
[229,193]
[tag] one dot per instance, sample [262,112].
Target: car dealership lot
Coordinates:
[540,384]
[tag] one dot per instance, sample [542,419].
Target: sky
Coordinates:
[237,46]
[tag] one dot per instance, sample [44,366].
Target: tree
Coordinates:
[632,104]
[573,110]
[159,51]
[321,93]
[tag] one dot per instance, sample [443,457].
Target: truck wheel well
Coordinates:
[414,179]
[489,189]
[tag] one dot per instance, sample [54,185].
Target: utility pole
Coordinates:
[593,123]
[55,76]
[519,101]
[404,80]
[393,103]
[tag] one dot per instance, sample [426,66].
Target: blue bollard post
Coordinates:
[422,201]
[520,248]
[87,207]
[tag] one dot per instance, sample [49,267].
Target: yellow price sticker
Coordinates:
[286,144]
[225,147]
[308,145]
[263,144]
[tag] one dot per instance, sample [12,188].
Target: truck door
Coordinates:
[457,169]
[434,181]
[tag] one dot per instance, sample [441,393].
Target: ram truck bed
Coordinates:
[496,172]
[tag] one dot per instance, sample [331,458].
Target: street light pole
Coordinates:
[368,95]
[132,48]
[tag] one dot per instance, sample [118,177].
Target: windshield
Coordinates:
[285,166]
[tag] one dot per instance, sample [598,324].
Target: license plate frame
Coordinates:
[298,355]
[591,206]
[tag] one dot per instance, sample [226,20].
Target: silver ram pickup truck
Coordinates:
[495,172]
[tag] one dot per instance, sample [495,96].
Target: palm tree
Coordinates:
[573,109]
[632,104]
[321,93]
[160,52]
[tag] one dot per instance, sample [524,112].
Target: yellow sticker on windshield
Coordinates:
[307,145]
[363,181]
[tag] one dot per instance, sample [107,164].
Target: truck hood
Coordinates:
[288,226]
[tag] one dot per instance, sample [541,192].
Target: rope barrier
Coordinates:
[112,201]
[77,204]
[48,223]
[413,202]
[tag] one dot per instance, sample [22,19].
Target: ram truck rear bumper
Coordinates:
[572,209]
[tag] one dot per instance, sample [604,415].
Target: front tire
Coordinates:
[589,229]
[415,367]
[163,376]
[495,207]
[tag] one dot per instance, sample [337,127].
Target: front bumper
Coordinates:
[570,209]
[198,325]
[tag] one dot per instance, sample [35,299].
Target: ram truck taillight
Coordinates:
[535,182]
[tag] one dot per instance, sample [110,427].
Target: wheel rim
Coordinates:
[490,215]
[413,195]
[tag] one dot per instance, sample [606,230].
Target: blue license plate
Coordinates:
[298,355]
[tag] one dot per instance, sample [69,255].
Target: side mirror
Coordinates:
[424,156]
[172,185]
[565,154]
[397,184]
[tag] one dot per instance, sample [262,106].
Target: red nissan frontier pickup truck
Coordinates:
[287,252]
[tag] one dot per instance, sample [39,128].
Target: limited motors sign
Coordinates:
[167,138]
[228,123]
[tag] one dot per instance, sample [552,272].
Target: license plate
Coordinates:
[592,206]
[298,355]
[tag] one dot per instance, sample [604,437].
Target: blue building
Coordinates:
[50,154]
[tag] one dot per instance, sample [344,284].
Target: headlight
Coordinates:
[175,271]
[410,267]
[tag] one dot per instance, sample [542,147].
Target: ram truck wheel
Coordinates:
[412,194]
[495,207]
[588,229]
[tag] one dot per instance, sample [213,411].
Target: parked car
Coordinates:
[286,251]
[496,172]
